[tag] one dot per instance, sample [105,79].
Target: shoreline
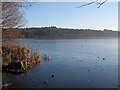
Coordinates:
[73,38]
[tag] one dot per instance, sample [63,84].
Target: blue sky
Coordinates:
[66,15]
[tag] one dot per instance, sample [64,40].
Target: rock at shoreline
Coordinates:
[103,58]
[52,75]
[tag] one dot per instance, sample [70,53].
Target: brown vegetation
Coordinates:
[18,58]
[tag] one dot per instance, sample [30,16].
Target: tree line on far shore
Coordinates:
[65,33]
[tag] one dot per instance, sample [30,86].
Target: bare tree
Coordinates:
[12,17]
[12,14]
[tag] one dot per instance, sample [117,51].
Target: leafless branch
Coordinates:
[99,3]
[12,17]
[85,4]
[102,3]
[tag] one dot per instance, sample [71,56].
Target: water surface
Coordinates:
[74,62]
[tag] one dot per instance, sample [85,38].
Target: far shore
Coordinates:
[73,38]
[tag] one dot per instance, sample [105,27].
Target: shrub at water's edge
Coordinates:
[17,59]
